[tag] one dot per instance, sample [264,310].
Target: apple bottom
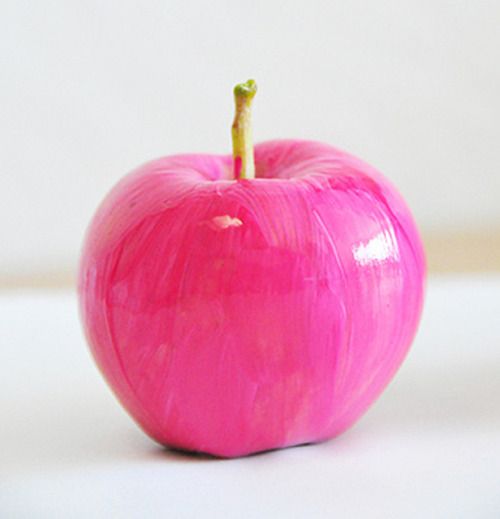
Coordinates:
[256,441]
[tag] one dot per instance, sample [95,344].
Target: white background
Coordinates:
[429,448]
[91,89]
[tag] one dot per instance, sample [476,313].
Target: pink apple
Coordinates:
[231,316]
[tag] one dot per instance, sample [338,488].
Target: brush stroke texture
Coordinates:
[231,317]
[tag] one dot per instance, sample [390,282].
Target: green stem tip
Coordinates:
[243,160]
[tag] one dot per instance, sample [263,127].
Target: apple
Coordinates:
[246,303]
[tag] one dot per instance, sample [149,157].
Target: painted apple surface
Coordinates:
[235,316]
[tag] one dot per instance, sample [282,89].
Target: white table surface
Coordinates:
[430,447]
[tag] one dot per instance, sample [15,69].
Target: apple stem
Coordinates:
[243,161]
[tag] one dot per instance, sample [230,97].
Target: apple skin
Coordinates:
[236,316]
